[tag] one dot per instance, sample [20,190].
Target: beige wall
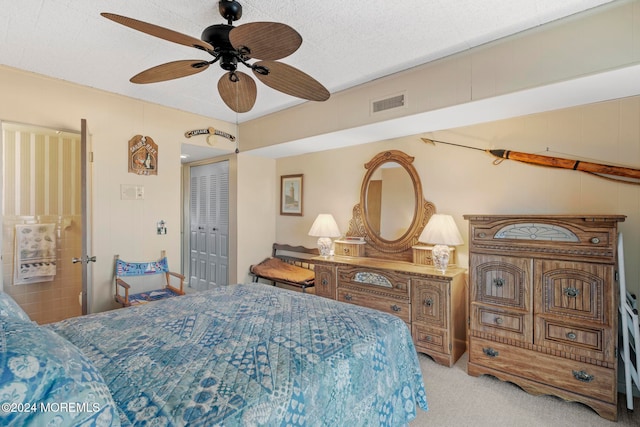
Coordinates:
[258,202]
[462,181]
[124,227]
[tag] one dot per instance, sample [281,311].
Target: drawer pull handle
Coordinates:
[346,250]
[348,297]
[325,282]
[482,235]
[499,320]
[429,339]
[595,240]
[490,352]
[395,308]
[498,282]
[428,302]
[583,376]
[572,335]
[571,292]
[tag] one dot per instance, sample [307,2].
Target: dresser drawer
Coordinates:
[430,338]
[502,323]
[429,301]
[576,291]
[343,248]
[505,282]
[576,339]
[325,281]
[375,280]
[588,380]
[569,236]
[401,309]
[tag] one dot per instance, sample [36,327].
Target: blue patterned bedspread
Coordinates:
[251,355]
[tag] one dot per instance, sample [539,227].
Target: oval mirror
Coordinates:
[392,211]
[390,203]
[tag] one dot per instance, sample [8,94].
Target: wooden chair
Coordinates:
[141,269]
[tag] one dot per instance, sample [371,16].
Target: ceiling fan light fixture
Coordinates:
[228,61]
[265,41]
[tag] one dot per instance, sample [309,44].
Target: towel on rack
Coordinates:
[35,253]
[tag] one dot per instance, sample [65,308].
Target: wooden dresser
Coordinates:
[432,304]
[543,301]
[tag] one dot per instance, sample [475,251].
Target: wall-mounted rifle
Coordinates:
[597,169]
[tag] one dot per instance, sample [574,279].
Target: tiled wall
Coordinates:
[55,300]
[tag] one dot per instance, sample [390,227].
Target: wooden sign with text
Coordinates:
[143,156]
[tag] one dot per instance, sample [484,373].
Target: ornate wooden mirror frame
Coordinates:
[377,246]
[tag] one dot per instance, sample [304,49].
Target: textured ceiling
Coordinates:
[346,43]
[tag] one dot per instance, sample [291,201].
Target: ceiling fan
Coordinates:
[231,46]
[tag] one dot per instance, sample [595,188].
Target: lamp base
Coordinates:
[440,256]
[324,246]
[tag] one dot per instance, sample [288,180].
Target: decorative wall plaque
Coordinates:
[143,156]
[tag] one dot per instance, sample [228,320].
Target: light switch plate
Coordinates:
[131,192]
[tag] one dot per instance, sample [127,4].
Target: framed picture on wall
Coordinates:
[291,195]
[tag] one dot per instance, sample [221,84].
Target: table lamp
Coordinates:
[324,227]
[442,232]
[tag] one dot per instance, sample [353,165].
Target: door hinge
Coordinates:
[90,156]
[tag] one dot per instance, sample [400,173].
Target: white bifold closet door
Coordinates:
[209,225]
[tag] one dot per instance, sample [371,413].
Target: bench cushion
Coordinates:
[277,270]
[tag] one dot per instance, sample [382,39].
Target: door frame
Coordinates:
[233,216]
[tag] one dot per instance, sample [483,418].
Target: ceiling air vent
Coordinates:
[389,103]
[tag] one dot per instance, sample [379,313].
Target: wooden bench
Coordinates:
[285,267]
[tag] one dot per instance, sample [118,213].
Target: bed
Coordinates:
[236,355]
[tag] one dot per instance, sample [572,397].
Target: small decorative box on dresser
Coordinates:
[349,247]
[543,304]
[432,304]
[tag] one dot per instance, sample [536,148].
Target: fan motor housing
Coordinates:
[218,36]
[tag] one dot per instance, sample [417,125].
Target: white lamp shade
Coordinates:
[441,230]
[324,226]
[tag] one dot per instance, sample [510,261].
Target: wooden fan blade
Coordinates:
[290,80]
[265,40]
[161,32]
[170,70]
[239,95]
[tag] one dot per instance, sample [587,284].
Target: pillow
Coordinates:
[9,308]
[47,381]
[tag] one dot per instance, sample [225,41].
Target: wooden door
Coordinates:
[46,183]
